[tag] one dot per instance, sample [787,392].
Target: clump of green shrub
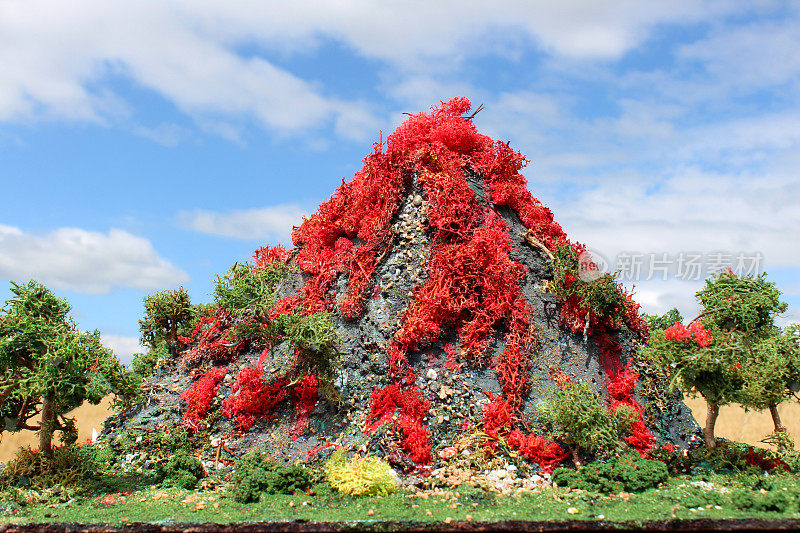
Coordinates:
[777,493]
[176,440]
[360,476]
[628,473]
[248,292]
[246,289]
[162,456]
[255,475]
[181,470]
[577,416]
[785,450]
[729,457]
[69,466]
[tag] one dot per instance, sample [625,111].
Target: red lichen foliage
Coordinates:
[621,392]
[253,398]
[499,422]
[498,418]
[305,393]
[199,397]
[348,234]
[621,385]
[267,255]
[213,340]
[451,358]
[538,449]
[411,421]
[680,333]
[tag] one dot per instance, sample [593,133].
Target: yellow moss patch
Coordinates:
[360,476]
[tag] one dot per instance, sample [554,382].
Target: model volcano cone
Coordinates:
[457,303]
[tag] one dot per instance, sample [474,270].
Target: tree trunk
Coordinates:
[576,460]
[776,419]
[172,338]
[48,425]
[711,421]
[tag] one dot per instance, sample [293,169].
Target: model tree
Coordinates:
[165,313]
[168,315]
[742,311]
[732,352]
[48,367]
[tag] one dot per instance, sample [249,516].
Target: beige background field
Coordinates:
[733,423]
[87,416]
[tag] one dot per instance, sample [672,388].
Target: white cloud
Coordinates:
[58,57]
[123,347]
[269,223]
[765,133]
[641,182]
[657,297]
[165,134]
[688,210]
[85,261]
[406,33]
[752,55]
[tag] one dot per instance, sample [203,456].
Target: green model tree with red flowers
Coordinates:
[732,352]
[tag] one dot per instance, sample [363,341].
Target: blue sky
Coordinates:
[147,145]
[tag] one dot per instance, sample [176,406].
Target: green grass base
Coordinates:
[679,499]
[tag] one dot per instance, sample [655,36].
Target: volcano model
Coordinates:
[431,296]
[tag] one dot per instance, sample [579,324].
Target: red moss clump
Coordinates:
[621,387]
[348,234]
[499,421]
[473,284]
[498,418]
[267,255]
[451,358]
[199,397]
[538,449]
[214,340]
[514,364]
[252,397]
[410,423]
[680,333]
[305,393]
